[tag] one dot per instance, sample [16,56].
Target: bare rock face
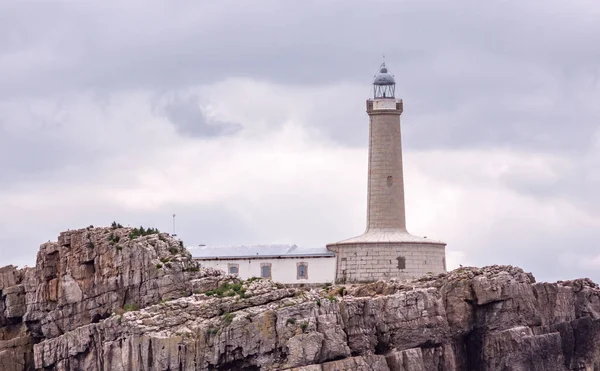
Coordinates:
[147,306]
[84,278]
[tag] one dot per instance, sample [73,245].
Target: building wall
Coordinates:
[379,261]
[320,270]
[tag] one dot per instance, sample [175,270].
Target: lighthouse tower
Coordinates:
[386,250]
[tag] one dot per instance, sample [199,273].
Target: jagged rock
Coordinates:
[148,306]
[84,278]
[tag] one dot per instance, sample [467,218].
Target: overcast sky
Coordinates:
[249,123]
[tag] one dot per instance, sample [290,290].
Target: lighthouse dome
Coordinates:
[384,77]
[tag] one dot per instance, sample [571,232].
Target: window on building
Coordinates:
[234,268]
[302,271]
[401,262]
[265,270]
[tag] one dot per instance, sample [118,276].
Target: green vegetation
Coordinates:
[304,326]
[130,307]
[158,266]
[113,239]
[228,289]
[290,321]
[342,290]
[90,245]
[126,308]
[165,260]
[115,225]
[168,265]
[138,232]
[228,318]
[213,330]
[332,298]
[173,250]
[191,269]
[119,248]
[252,279]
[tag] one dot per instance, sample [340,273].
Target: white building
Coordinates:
[282,263]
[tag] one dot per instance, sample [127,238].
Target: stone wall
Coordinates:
[385,205]
[363,262]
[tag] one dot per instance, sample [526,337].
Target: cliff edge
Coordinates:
[117,299]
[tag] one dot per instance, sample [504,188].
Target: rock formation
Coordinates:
[99,299]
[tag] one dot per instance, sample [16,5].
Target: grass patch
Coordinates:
[304,326]
[290,321]
[228,318]
[228,290]
[158,266]
[113,239]
[212,330]
[119,248]
[130,307]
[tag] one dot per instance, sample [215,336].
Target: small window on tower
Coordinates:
[401,262]
[390,181]
[302,271]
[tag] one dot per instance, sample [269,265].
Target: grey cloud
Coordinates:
[190,119]
[473,65]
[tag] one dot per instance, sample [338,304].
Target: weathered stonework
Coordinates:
[386,250]
[360,262]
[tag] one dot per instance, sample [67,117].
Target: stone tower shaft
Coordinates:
[385,210]
[386,250]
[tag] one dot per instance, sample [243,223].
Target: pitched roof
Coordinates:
[246,251]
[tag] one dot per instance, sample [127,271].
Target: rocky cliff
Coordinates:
[108,299]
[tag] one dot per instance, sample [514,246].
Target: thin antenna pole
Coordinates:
[174,225]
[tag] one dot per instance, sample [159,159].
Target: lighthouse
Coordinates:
[386,250]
